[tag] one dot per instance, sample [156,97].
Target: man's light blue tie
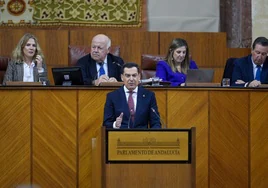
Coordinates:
[101,70]
[258,73]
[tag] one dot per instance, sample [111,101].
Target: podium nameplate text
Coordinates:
[150,158]
[148,146]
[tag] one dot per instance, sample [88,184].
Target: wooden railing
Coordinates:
[46,133]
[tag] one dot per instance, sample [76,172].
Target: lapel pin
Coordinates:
[143,96]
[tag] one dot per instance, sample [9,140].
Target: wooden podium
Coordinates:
[153,158]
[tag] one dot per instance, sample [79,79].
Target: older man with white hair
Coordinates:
[100,65]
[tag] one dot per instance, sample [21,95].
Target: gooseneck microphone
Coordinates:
[114,62]
[162,122]
[131,116]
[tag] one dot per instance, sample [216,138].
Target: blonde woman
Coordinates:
[176,64]
[27,61]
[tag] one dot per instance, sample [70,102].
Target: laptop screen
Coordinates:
[199,76]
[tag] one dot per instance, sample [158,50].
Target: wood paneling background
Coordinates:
[207,49]
[15,138]
[229,139]
[54,138]
[46,134]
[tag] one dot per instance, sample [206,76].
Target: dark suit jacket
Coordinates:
[243,70]
[116,103]
[228,69]
[89,71]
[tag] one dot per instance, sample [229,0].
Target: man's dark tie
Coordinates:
[258,73]
[131,105]
[101,70]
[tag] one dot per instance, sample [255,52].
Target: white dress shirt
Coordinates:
[28,75]
[134,96]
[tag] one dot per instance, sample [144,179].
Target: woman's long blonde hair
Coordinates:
[177,43]
[18,55]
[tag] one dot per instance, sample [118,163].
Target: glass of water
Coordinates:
[226,82]
[155,81]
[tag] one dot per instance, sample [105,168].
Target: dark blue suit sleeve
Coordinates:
[109,113]
[241,71]
[83,63]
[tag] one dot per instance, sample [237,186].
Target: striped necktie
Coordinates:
[131,105]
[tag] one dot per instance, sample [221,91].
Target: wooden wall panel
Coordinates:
[15,138]
[91,105]
[54,44]
[218,72]
[54,121]
[187,109]
[161,99]
[238,52]
[9,40]
[229,139]
[259,139]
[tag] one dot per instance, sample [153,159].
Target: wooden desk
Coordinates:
[46,132]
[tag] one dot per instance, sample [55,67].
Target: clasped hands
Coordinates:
[104,78]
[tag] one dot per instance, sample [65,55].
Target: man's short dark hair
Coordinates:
[260,40]
[130,65]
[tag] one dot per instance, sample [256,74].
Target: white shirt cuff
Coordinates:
[114,125]
[40,70]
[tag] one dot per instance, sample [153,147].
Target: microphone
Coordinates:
[131,114]
[117,64]
[154,111]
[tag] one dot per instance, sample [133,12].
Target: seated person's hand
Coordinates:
[254,83]
[239,82]
[182,84]
[102,78]
[112,79]
[39,62]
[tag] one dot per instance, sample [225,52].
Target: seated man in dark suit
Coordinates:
[252,70]
[131,106]
[100,66]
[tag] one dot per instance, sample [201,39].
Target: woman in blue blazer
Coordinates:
[176,64]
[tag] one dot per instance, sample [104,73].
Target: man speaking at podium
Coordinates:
[131,106]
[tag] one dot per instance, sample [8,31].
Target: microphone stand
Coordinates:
[162,122]
[128,123]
